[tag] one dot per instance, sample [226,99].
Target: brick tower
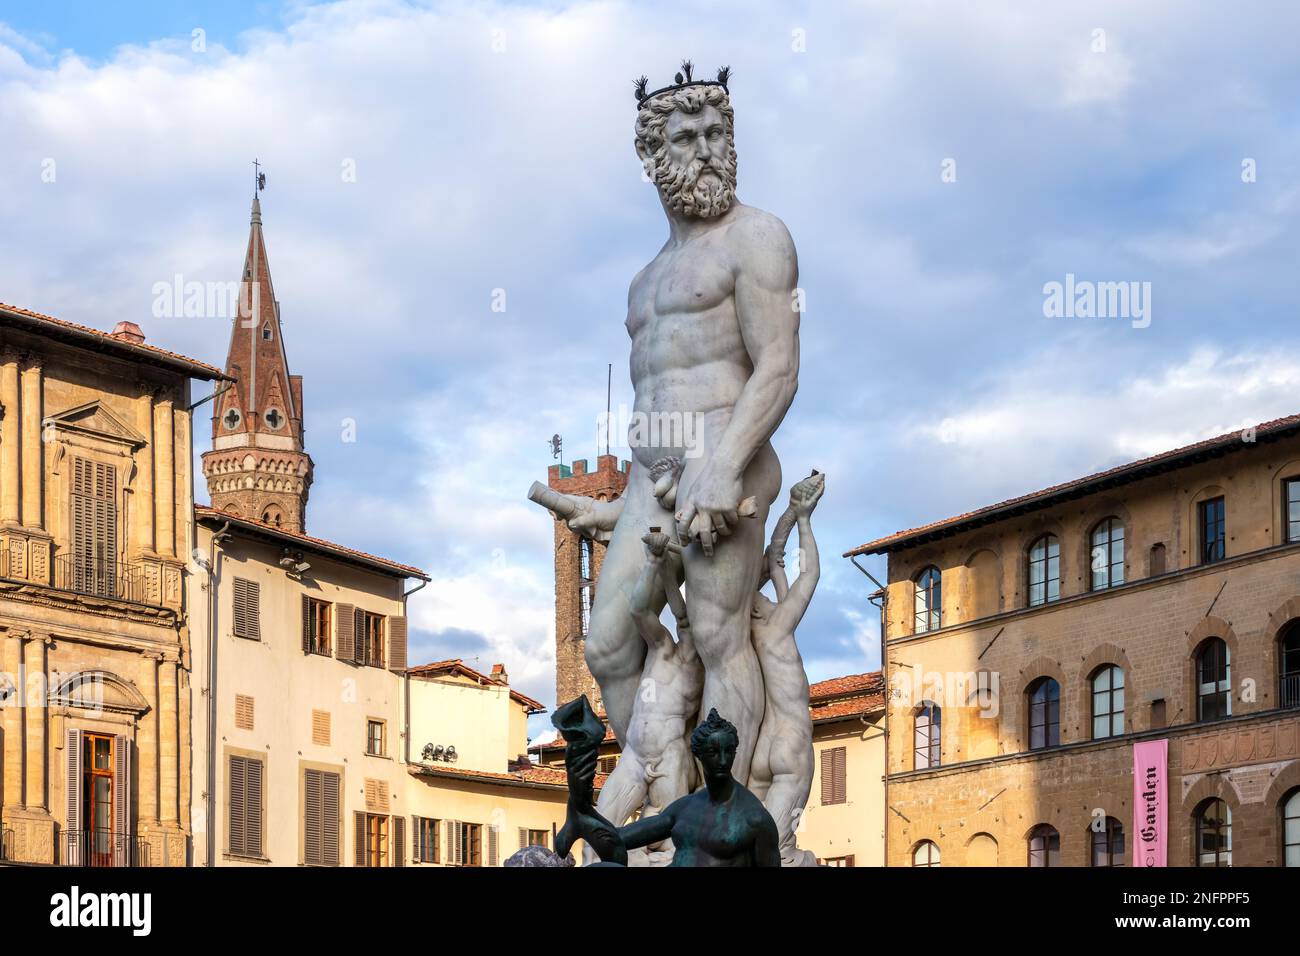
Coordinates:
[577,566]
[258,467]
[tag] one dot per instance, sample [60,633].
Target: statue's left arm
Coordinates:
[766,275]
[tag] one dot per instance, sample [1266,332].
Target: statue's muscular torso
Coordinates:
[688,353]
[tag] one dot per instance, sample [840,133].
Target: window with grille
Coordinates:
[426,840]
[244,807]
[1044,846]
[1213,834]
[927,736]
[316,626]
[1044,713]
[834,777]
[247,611]
[1213,530]
[1213,680]
[1107,554]
[1108,702]
[929,601]
[1107,840]
[375,738]
[586,584]
[94,528]
[1044,570]
[320,817]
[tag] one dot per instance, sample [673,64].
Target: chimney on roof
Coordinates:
[499,674]
[128,332]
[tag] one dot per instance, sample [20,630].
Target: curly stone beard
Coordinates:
[685,193]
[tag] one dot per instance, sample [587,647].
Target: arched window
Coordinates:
[1291,828]
[926,736]
[926,854]
[1044,713]
[1044,846]
[1213,681]
[1213,833]
[1044,570]
[1288,664]
[1107,702]
[1107,554]
[929,601]
[1107,842]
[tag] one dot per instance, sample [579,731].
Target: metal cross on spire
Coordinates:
[259,177]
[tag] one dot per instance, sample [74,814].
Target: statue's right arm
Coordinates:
[588,516]
[647,830]
[790,611]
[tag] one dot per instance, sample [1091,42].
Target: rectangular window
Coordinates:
[317,626]
[1291,508]
[375,738]
[374,835]
[92,568]
[97,797]
[320,818]
[247,610]
[834,782]
[536,837]
[371,637]
[838,861]
[586,584]
[464,843]
[426,840]
[244,810]
[1213,531]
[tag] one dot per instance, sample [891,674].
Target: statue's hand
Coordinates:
[805,494]
[581,771]
[594,517]
[710,507]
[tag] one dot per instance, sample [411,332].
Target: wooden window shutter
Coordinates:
[331,785]
[494,843]
[397,644]
[346,635]
[306,624]
[237,807]
[417,836]
[72,753]
[320,727]
[122,842]
[832,774]
[247,609]
[523,838]
[243,712]
[253,839]
[313,810]
[359,627]
[361,857]
[399,840]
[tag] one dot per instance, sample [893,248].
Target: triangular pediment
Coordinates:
[94,418]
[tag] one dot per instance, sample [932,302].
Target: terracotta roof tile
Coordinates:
[537,776]
[457,666]
[329,547]
[142,350]
[1121,474]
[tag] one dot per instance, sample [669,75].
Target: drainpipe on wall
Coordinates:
[406,677]
[882,593]
[211,680]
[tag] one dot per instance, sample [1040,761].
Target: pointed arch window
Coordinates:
[1044,570]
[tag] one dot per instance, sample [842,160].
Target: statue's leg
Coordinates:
[787,797]
[719,600]
[614,650]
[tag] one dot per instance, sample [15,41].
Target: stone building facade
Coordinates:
[258,467]
[577,566]
[1032,645]
[95,532]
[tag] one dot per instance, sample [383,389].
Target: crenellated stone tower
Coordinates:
[258,467]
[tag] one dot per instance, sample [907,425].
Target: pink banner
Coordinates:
[1151,803]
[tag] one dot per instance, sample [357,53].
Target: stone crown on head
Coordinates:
[682,80]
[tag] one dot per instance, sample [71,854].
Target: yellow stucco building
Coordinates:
[95,525]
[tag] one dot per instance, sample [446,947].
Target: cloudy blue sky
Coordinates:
[491,144]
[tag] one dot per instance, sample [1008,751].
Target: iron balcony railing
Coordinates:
[104,848]
[122,580]
[1290,696]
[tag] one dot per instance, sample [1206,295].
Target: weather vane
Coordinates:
[556,443]
[259,178]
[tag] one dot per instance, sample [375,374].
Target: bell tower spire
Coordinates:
[258,467]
